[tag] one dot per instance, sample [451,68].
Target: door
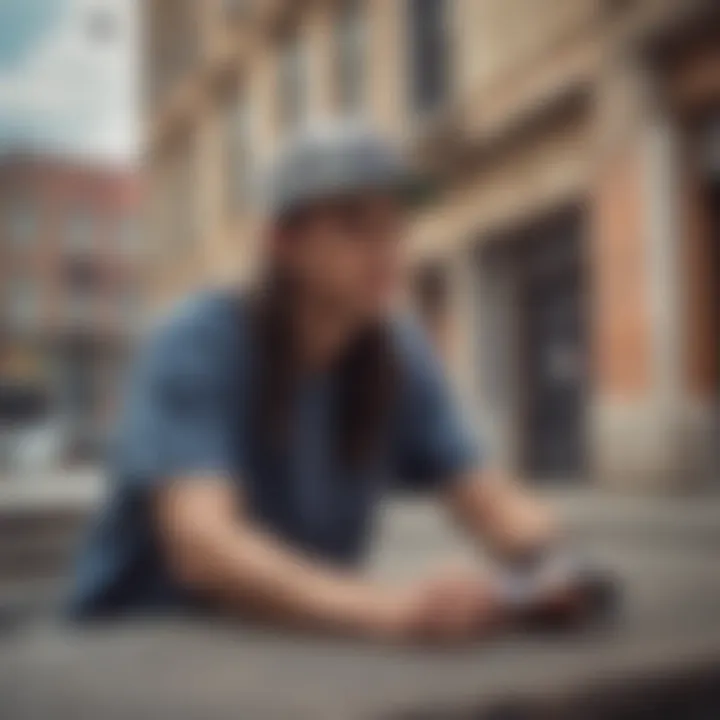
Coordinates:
[715,260]
[715,295]
[554,346]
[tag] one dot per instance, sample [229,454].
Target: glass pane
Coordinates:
[429,53]
[351,37]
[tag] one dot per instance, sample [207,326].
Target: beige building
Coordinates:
[569,256]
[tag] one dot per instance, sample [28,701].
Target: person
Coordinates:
[263,426]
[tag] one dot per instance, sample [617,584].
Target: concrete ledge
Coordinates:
[664,649]
[645,447]
[72,490]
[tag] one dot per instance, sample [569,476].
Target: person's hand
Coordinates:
[450,607]
[567,592]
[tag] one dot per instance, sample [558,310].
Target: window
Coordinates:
[185,30]
[237,155]
[22,300]
[159,217]
[710,149]
[79,232]
[174,47]
[128,239]
[158,73]
[432,291]
[429,54]
[237,9]
[183,215]
[292,81]
[350,39]
[22,223]
[131,306]
[81,306]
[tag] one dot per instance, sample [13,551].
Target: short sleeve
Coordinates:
[178,419]
[433,440]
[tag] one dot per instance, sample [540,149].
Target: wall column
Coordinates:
[494,377]
[640,413]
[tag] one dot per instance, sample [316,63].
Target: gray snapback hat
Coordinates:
[337,160]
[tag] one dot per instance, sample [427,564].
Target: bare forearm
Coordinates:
[212,547]
[510,520]
[217,552]
[254,575]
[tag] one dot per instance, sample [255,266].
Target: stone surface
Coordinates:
[668,636]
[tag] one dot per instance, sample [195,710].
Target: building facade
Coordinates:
[71,282]
[568,255]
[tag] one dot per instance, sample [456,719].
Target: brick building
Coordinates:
[569,256]
[70,282]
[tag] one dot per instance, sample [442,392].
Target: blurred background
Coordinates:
[566,259]
[566,262]
[71,259]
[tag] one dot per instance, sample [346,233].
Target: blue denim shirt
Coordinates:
[185,416]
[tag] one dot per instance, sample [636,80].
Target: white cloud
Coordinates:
[76,89]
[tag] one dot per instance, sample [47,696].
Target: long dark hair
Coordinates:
[364,378]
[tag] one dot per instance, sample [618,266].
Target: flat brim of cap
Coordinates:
[314,171]
[412,190]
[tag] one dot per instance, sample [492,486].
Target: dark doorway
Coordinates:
[715,260]
[542,262]
[555,375]
[554,343]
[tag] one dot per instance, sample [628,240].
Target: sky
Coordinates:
[68,77]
